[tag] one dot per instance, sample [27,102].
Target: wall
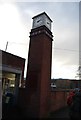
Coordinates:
[22,100]
[66,83]
[13,61]
[61,83]
[58,100]
[21,97]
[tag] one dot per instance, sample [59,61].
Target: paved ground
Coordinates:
[62,113]
[17,114]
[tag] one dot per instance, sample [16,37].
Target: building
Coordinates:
[75,83]
[65,83]
[11,72]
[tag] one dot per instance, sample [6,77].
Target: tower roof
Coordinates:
[42,14]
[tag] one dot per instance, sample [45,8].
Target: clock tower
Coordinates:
[39,67]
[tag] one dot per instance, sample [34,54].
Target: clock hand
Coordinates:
[47,22]
[38,21]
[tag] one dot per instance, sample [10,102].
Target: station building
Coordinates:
[11,73]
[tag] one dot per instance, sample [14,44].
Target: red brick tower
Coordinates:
[39,67]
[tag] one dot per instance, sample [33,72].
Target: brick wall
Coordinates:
[58,100]
[13,61]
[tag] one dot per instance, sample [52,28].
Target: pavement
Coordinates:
[62,113]
[17,114]
[12,113]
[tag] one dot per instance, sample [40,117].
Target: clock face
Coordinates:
[38,21]
[42,20]
[48,23]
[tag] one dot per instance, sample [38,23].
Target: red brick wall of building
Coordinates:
[13,61]
[58,100]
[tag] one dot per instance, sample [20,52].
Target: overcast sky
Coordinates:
[16,24]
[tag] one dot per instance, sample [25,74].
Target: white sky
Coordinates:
[16,24]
